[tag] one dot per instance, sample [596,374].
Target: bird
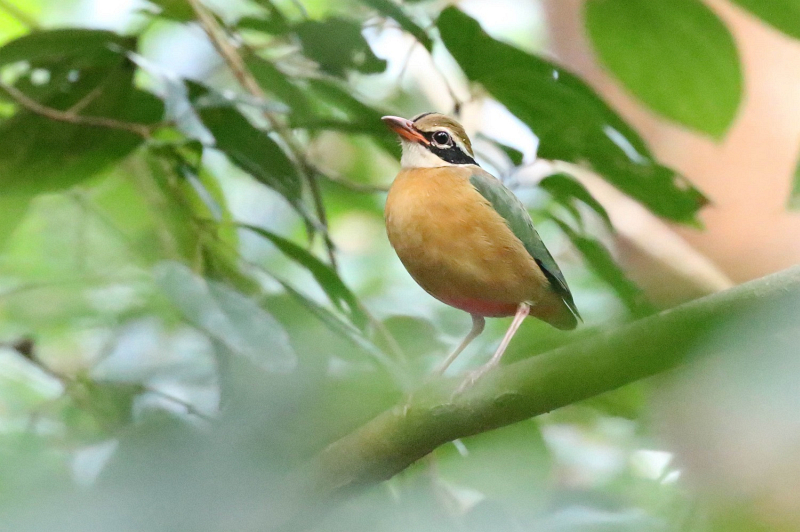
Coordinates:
[466,239]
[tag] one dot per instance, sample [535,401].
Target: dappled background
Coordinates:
[197,293]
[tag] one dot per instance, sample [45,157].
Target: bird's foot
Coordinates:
[473,377]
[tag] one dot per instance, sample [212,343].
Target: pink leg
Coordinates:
[478,323]
[522,312]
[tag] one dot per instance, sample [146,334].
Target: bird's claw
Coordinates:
[473,376]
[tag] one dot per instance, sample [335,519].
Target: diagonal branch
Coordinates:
[22,17]
[72,117]
[598,363]
[246,79]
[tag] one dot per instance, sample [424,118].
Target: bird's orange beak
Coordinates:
[405,128]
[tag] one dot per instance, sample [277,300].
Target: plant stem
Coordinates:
[602,361]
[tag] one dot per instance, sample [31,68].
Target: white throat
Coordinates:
[417,156]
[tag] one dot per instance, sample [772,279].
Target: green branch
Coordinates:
[436,414]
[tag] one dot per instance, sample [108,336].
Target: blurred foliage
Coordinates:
[668,55]
[571,121]
[165,242]
[782,14]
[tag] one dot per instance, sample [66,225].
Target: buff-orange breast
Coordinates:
[457,247]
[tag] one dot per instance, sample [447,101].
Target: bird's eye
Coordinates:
[441,137]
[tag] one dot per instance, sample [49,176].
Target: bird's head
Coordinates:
[431,140]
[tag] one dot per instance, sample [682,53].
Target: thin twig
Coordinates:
[246,79]
[300,7]
[406,62]
[391,341]
[25,348]
[190,408]
[32,105]
[363,188]
[229,54]
[22,17]
[458,103]
[81,104]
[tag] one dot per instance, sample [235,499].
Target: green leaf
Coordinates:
[80,47]
[179,236]
[794,197]
[41,154]
[337,45]
[253,151]
[278,85]
[677,57]
[197,194]
[85,68]
[270,26]
[602,263]
[178,10]
[328,280]
[392,10]
[783,15]
[566,190]
[571,121]
[227,316]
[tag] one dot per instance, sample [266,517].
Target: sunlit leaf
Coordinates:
[337,45]
[677,57]
[783,15]
[572,122]
[395,11]
[328,280]
[227,316]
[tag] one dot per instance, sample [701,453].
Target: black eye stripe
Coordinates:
[430,134]
[452,154]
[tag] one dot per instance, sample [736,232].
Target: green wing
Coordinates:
[516,216]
